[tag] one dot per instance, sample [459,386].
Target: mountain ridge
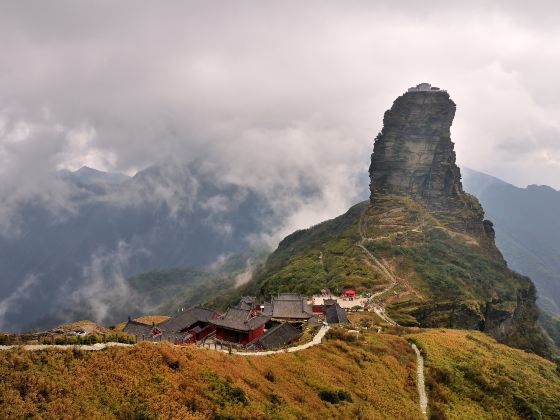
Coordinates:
[527,230]
[424,229]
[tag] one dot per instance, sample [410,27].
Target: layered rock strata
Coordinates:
[414,155]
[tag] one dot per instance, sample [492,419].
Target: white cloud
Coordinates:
[11,302]
[105,289]
[280,97]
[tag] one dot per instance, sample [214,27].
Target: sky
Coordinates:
[276,95]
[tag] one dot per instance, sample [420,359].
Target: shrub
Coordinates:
[334,396]
[269,375]
[525,409]
[274,398]
[341,334]
[73,340]
[223,392]
[344,396]
[120,338]
[236,394]
[173,364]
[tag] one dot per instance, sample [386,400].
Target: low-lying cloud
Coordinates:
[12,303]
[104,293]
[283,99]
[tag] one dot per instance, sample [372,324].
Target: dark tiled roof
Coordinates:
[288,296]
[185,320]
[329,302]
[289,306]
[153,333]
[267,308]
[276,337]
[246,302]
[240,320]
[334,314]
[138,328]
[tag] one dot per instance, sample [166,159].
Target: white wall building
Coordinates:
[424,87]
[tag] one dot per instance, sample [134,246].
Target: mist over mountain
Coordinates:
[163,217]
[86,176]
[527,230]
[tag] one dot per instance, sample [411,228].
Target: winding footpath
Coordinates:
[421,383]
[87,347]
[315,341]
[100,346]
[422,395]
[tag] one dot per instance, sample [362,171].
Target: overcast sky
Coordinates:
[270,91]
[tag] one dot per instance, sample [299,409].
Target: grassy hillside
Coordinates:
[322,256]
[436,261]
[469,375]
[447,271]
[369,379]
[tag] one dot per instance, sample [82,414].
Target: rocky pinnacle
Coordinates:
[413,154]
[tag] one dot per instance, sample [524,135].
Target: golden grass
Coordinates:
[366,319]
[160,380]
[470,375]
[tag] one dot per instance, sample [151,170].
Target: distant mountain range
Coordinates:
[527,224]
[87,176]
[118,226]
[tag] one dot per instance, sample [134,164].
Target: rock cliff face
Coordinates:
[414,155]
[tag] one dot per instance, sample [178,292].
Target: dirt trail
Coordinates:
[380,311]
[380,266]
[316,340]
[421,383]
[88,347]
[100,346]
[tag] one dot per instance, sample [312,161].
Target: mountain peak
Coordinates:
[88,175]
[413,153]
[87,169]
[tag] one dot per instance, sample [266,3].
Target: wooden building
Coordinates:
[240,326]
[279,336]
[288,307]
[248,302]
[195,320]
[334,313]
[145,332]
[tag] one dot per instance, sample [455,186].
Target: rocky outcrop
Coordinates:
[414,155]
